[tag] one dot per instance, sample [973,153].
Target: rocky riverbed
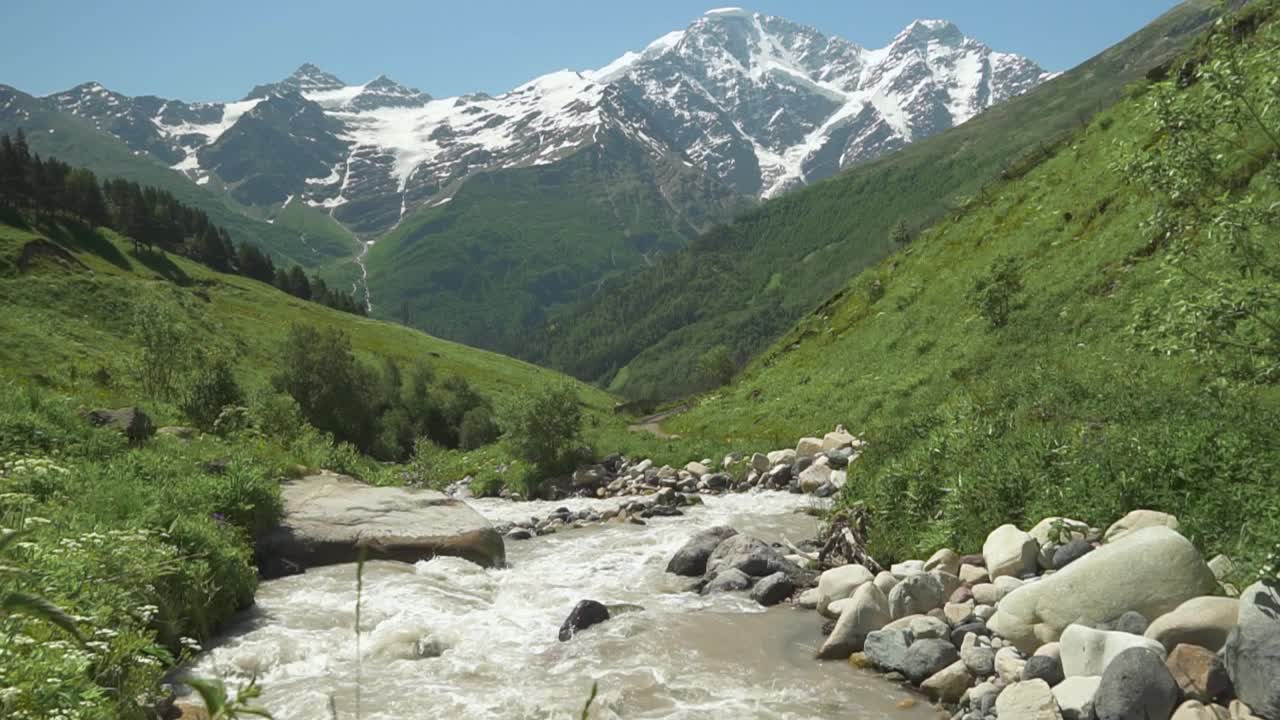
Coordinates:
[1061,621]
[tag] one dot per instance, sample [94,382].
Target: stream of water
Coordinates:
[448,639]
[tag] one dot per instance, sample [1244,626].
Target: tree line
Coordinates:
[150,217]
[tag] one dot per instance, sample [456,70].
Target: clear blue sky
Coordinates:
[218,50]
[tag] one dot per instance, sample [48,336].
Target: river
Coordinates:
[448,639]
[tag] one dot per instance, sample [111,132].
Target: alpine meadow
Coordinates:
[757,373]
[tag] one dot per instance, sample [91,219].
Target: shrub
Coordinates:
[717,365]
[995,295]
[213,388]
[478,428]
[544,428]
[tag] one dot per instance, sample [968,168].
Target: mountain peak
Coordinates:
[309,77]
[726,12]
[925,30]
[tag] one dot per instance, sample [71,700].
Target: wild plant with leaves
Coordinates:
[1212,166]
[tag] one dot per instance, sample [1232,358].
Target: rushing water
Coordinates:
[448,639]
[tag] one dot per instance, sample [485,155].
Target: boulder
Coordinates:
[1195,710]
[926,658]
[750,555]
[1075,696]
[946,560]
[925,627]
[949,684]
[330,519]
[1071,552]
[1052,533]
[1139,520]
[1221,565]
[178,432]
[916,595]
[840,438]
[1136,686]
[1086,651]
[867,611]
[691,559]
[727,580]
[1130,622]
[906,568]
[986,594]
[974,574]
[980,660]
[839,583]
[1203,621]
[773,589]
[1009,664]
[696,469]
[950,583]
[1240,711]
[1252,650]
[585,614]
[1151,571]
[131,422]
[808,599]
[782,457]
[808,447]
[588,477]
[886,582]
[888,648]
[1053,650]
[957,613]
[1031,700]
[1009,551]
[760,463]
[814,477]
[1043,667]
[1199,672]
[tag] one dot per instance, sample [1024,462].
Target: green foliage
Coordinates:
[900,234]
[221,706]
[212,389]
[717,364]
[1210,163]
[995,294]
[544,428]
[164,350]
[479,428]
[146,565]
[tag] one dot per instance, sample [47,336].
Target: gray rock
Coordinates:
[981,661]
[839,583]
[727,580]
[1075,695]
[1136,686]
[1030,700]
[1252,650]
[131,422]
[927,627]
[1071,552]
[1151,571]
[329,518]
[1043,667]
[1139,520]
[866,611]
[1010,551]
[1203,621]
[916,595]
[1131,622]
[927,657]
[691,559]
[773,589]
[948,684]
[750,555]
[888,648]
[585,614]
[1086,651]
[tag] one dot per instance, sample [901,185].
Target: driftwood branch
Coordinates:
[847,541]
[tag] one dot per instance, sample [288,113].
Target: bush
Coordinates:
[995,295]
[213,388]
[478,428]
[544,428]
[717,365]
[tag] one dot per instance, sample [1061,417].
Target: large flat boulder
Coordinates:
[328,518]
[1151,571]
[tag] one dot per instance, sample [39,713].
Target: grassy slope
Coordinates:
[746,284]
[511,247]
[1061,411]
[60,325]
[78,143]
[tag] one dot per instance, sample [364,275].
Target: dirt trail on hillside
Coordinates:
[653,423]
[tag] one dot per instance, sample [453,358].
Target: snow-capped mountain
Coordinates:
[759,103]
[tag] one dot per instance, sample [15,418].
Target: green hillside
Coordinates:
[77,142]
[511,248]
[1099,335]
[743,285]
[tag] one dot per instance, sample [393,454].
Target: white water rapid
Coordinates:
[448,639]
